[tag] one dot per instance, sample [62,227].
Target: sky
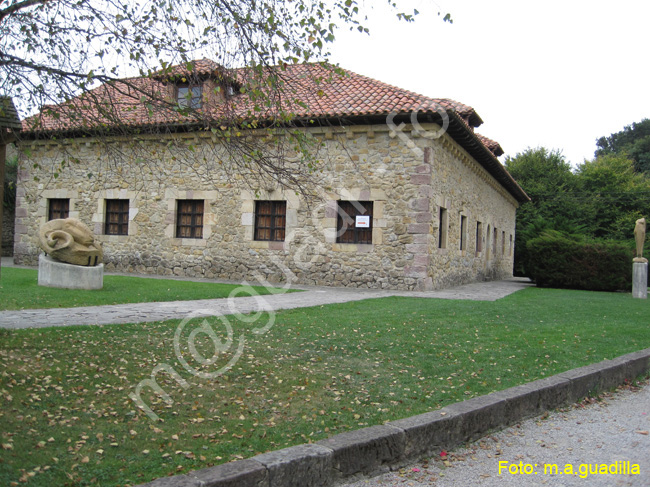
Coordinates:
[554,74]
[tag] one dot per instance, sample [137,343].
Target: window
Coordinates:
[496,238]
[189,96]
[488,239]
[463,233]
[117,217]
[354,222]
[58,208]
[479,237]
[270,220]
[443,226]
[189,219]
[503,243]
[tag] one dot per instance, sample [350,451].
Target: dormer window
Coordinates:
[189,96]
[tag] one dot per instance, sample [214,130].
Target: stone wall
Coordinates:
[406,176]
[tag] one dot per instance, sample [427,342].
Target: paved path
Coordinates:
[311,296]
[616,430]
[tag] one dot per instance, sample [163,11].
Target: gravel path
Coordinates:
[614,430]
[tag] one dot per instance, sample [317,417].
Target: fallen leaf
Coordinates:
[644,432]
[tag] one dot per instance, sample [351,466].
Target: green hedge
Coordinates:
[558,261]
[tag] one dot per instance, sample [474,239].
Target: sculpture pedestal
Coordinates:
[53,273]
[640,280]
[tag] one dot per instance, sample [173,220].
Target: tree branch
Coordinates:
[13,8]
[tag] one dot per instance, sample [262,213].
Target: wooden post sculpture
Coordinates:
[640,265]
[639,236]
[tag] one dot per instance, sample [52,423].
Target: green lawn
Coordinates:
[67,419]
[19,289]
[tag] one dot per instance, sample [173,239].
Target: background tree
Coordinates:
[547,178]
[600,199]
[633,140]
[612,196]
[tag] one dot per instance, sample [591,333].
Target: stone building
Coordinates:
[407,195]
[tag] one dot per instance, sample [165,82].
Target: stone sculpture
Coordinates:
[69,240]
[639,236]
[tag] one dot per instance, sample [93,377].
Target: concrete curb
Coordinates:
[376,449]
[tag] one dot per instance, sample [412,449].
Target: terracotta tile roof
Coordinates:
[493,145]
[197,68]
[310,91]
[344,95]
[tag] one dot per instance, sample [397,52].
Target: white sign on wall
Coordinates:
[362,221]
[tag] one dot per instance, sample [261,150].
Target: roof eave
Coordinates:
[464,136]
[484,156]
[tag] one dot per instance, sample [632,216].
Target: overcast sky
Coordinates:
[557,74]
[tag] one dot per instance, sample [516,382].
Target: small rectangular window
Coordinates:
[463,233]
[58,208]
[117,217]
[189,96]
[189,219]
[496,238]
[443,227]
[354,222]
[503,243]
[479,237]
[488,242]
[270,220]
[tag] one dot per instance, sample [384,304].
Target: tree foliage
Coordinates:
[547,178]
[633,141]
[9,195]
[612,196]
[53,51]
[600,199]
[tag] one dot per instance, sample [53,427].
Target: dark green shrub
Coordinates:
[559,261]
